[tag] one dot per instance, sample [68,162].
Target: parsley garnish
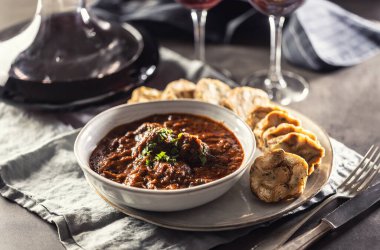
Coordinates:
[179,136]
[203,159]
[203,155]
[146,151]
[165,134]
[163,157]
[148,162]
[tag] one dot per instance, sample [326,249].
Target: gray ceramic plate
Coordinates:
[239,207]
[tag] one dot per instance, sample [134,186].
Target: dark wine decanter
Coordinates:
[67,56]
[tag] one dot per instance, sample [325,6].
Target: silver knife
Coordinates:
[341,215]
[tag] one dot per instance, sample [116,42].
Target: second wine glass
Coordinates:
[199,10]
[282,86]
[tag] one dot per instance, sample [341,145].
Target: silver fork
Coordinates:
[357,181]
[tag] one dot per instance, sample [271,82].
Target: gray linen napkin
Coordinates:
[38,171]
[21,130]
[322,36]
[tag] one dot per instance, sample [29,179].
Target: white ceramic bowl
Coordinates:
[160,200]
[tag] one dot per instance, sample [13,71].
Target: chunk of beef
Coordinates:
[192,149]
[183,146]
[146,127]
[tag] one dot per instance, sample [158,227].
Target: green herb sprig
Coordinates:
[203,155]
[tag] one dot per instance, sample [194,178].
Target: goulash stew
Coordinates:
[167,152]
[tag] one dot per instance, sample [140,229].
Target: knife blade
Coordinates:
[340,216]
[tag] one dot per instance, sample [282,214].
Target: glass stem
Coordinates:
[274,74]
[82,4]
[199,22]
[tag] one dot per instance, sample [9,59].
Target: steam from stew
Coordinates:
[167,152]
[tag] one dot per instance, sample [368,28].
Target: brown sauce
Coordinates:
[167,152]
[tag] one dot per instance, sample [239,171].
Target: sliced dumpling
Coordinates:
[179,89]
[301,145]
[283,129]
[277,176]
[211,90]
[241,100]
[144,94]
[273,119]
[258,112]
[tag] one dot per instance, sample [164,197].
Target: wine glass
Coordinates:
[283,87]
[199,10]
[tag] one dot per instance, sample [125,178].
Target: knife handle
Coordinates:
[306,239]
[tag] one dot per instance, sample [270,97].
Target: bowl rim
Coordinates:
[86,167]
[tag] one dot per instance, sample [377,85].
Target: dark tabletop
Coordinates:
[346,103]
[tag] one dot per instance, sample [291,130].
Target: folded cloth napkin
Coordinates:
[320,35]
[16,126]
[45,179]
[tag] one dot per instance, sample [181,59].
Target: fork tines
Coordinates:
[367,170]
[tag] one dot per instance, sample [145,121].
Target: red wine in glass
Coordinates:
[199,4]
[276,7]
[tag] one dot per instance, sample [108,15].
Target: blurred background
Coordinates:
[249,32]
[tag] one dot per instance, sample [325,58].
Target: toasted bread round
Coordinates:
[144,94]
[277,176]
[301,145]
[273,119]
[241,100]
[179,89]
[258,112]
[211,90]
[283,129]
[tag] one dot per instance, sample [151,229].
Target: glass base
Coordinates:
[223,71]
[217,72]
[293,87]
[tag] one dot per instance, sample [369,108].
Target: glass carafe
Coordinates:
[68,55]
